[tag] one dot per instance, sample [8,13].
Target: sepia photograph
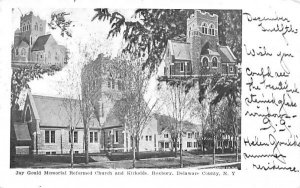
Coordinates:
[126,88]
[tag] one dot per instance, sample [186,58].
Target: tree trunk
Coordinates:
[86,143]
[133,152]
[176,139]
[203,145]
[214,135]
[72,148]
[222,144]
[214,149]
[181,161]
[137,149]
[237,149]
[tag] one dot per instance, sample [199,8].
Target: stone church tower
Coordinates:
[202,34]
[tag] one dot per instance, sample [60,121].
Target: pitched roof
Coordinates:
[180,50]
[22,131]
[226,54]
[40,42]
[164,124]
[52,112]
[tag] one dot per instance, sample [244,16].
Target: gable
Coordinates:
[226,54]
[180,50]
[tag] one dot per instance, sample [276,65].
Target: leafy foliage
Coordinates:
[59,20]
[22,75]
[148,34]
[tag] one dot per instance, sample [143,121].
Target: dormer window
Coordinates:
[205,62]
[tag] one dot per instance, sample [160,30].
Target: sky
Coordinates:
[84,32]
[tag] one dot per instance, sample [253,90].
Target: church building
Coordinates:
[200,54]
[33,46]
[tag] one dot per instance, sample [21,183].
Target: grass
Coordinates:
[141,155]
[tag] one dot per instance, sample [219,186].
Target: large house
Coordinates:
[199,52]
[45,127]
[33,46]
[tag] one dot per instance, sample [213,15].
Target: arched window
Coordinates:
[56,56]
[23,52]
[215,62]
[17,51]
[36,26]
[28,114]
[204,28]
[211,30]
[205,61]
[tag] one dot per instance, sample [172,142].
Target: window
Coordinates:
[36,26]
[195,144]
[204,28]
[167,145]
[41,27]
[23,52]
[189,144]
[91,137]
[189,135]
[49,136]
[17,51]
[49,54]
[75,136]
[30,40]
[28,114]
[205,62]
[96,136]
[215,62]
[56,56]
[231,69]
[116,136]
[197,135]
[47,153]
[166,136]
[211,30]
[41,56]
[150,138]
[188,67]
[181,67]
[53,153]
[146,138]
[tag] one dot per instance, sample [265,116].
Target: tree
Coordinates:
[230,88]
[178,99]
[91,90]
[71,103]
[135,111]
[200,112]
[148,34]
